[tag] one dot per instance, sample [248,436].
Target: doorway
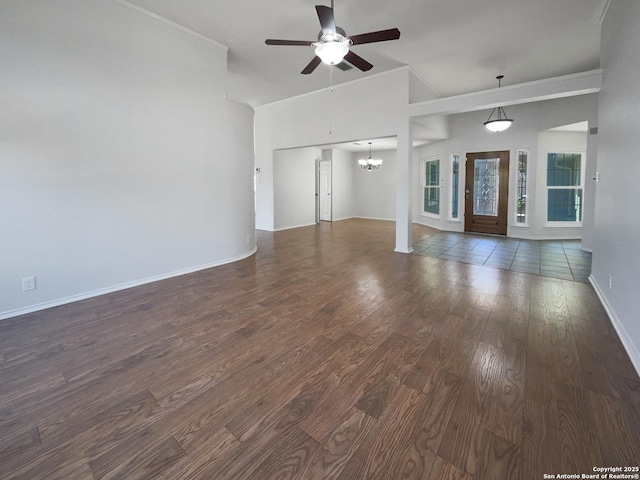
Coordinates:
[324,186]
[486,192]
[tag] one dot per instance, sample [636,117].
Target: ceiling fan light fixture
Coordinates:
[332,52]
[501,122]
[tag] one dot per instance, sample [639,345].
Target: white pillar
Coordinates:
[404,171]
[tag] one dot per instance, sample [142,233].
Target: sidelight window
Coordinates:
[455,185]
[521,187]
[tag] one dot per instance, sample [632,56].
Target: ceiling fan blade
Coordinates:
[380,36]
[327,21]
[343,66]
[312,65]
[357,61]
[302,43]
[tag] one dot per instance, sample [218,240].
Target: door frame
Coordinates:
[317,190]
[496,225]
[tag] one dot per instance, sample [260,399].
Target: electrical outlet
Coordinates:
[610,283]
[28,284]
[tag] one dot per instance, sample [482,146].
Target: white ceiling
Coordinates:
[454,46]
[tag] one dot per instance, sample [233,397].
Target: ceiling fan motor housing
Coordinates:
[339,33]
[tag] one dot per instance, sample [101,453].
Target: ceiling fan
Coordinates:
[333,44]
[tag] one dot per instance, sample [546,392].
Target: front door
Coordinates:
[486,192]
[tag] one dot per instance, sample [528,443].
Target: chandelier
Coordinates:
[369,164]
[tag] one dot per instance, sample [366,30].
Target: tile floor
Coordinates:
[550,258]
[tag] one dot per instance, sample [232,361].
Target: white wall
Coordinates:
[617,229]
[372,107]
[469,135]
[342,184]
[376,190]
[121,161]
[294,184]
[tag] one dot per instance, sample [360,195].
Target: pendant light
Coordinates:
[501,122]
[369,164]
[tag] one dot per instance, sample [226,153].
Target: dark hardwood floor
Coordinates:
[324,356]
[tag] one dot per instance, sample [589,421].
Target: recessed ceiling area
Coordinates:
[453,46]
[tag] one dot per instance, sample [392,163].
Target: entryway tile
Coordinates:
[561,259]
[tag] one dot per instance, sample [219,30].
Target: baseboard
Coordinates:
[294,226]
[123,286]
[418,222]
[542,238]
[515,237]
[333,220]
[627,343]
[375,218]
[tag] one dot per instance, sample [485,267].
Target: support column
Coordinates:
[404,174]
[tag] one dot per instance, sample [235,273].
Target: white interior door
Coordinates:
[325,190]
